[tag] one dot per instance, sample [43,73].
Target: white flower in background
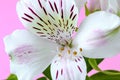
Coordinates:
[94,5]
[48,39]
[106,5]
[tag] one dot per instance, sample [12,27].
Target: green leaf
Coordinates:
[47,73]
[42,78]
[94,64]
[12,77]
[111,72]
[103,76]
[88,78]
[89,68]
[87,12]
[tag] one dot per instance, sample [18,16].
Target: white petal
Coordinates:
[80,3]
[110,5]
[30,55]
[99,35]
[94,5]
[52,19]
[68,69]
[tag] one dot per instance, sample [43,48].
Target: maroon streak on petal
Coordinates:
[51,6]
[37,15]
[72,8]
[71,15]
[36,28]
[51,16]
[57,74]
[79,69]
[78,59]
[75,60]
[28,16]
[61,71]
[40,24]
[62,13]
[44,10]
[61,3]
[26,19]
[40,32]
[40,3]
[56,7]
[74,16]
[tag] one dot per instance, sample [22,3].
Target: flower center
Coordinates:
[69,53]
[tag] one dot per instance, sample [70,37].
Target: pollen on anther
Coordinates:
[81,49]
[60,55]
[75,53]
[68,51]
[62,49]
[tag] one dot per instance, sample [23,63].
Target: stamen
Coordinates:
[75,53]
[68,51]
[60,55]
[81,49]
[62,49]
[76,29]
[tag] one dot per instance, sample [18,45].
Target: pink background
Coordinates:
[9,22]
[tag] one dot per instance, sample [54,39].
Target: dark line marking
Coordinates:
[44,10]
[40,24]
[37,15]
[79,69]
[40,3]
[51,16]
[61,71]
[57,74]
[40,32]
[36,28]
[72,8]
[44,29]
[56,7]
[49,22]
[26,19]
[28,16]
[61,4]
[51,6]
[67,23]
[62,13]
[71,15]
[55,25]
[74,16]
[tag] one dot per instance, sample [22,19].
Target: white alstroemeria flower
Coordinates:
[51,24]
[106,5]
[111,6]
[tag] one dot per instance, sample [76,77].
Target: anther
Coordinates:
[81,49]
[68,51]
[60,55]
[62,49]
[76,29]
[75,53]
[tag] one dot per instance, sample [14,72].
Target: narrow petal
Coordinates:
[68,69]
[52,19]
[30,55]
[99,35]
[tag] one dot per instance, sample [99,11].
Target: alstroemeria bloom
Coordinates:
[94,5]
[106,5]
[48,39]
